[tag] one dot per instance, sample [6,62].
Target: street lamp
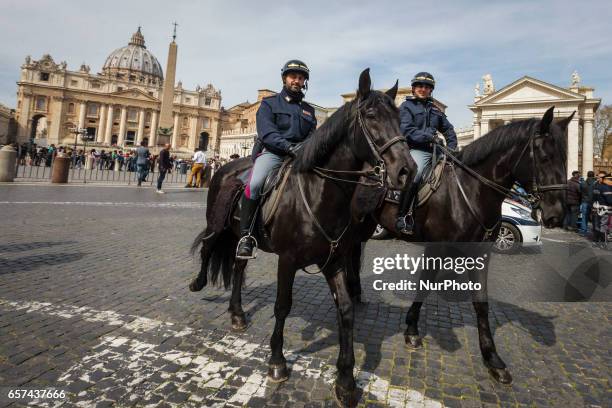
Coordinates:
[77,131]
[245,146]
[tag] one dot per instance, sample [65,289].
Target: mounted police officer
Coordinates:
[284,121]
[420,122]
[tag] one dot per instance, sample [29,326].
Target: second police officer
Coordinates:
[420,122]
[284,121]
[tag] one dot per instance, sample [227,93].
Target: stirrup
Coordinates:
[253,251]
[404,229]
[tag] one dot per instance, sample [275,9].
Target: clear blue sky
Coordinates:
[239,46]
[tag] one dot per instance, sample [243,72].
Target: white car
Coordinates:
[518,229]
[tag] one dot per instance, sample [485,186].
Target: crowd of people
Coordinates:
[589,201]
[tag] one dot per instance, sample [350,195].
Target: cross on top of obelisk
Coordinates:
[174,34]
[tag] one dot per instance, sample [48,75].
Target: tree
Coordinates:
[603,126]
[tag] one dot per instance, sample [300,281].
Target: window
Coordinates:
[151,93]
[132,115]
[71,107]
[207,101]
[44,76]
[185,121]
[206,123]
[187,100]
[130,137]
[91,132]
[148,117]
[92,109]
[74,82]
[95,85]
[119,88]
[41,103]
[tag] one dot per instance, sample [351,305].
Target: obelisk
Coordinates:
[166,121]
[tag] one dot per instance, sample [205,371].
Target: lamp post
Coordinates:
[245,147]
[77,131]
[85,137]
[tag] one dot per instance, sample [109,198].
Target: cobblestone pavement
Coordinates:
[94,301]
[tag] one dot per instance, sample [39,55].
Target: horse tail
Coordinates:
[218,242]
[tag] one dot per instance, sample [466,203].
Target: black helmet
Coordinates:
[295,66]
[423,78]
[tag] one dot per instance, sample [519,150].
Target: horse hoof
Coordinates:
[196,285]
[413,340]
[344,398]
[239,322]
[278,373]
[501,375]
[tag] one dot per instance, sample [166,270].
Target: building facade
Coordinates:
[119,106]
[529,98]
[7,125]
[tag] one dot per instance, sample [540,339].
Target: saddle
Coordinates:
[271,193]
[430,182]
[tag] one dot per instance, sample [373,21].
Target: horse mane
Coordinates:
[499,139]
[322,142]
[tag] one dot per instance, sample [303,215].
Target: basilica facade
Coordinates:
[120,106]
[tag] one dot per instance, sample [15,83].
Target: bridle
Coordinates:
[534,192]
[378,172]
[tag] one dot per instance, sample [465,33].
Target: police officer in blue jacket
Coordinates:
[284,121]
[420,122]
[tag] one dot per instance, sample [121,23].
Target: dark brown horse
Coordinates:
[467,208]
[312,222]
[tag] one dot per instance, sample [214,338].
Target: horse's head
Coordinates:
[542,165]
[377,138]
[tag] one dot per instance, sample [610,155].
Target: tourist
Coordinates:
[165,166]
[199,161]
[142,162]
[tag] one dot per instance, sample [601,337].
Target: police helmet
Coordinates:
[295,66]
[423,78]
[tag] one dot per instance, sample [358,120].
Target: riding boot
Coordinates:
[405,217]
[247,214]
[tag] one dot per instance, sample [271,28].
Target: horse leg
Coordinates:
[411,335]
[497,367]
[277,365]
[238,317]
[353,270]
[345,388]
[198,283]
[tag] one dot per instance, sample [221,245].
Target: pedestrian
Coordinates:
[142,162]
[572,201]
[199,161]
[602,207]
[586,193]
[165,166]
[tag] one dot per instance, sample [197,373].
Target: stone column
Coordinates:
[193,134]
[82,109]
[484,127]
[54,125]
[572,146]
[476,130]
[153,132]
[175,131]
[587,146]
[122,124]
[108,132]
[141,124]
[23,133]
[101,125]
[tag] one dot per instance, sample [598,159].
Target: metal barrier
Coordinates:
[98,175]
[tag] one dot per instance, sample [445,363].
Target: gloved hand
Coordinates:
[294,149]
[438,140]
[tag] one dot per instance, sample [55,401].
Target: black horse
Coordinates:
[467,208]
[312,223]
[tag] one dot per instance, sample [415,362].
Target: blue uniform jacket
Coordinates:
[283,122]
[419,121]
[602,193]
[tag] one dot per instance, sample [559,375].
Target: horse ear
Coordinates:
[393,91]
[365,83]
[547,120]
[564,122]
